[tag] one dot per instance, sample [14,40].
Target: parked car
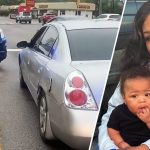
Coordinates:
[12,15]
[108,17]
[65,67]
[46,17]
[67,17]
[24,17]
[24,14]
[3,49]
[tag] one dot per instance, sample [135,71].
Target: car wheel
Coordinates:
[16,21]
[20,21]
[30,21]
[22,82]
[43,119]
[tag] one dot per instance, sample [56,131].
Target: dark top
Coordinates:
[131,128]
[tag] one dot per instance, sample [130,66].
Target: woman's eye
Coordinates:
[147,39]
[147,94]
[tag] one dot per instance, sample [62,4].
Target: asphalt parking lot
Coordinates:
[8,21]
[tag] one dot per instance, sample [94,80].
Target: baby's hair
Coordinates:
[132,73]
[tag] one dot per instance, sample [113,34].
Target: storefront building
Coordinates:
[64,8]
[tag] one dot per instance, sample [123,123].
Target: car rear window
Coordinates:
[26,13]
[126,29]
[91,44]
[102,16]
[51,14]
[114,16]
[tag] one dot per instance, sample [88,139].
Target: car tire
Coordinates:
[30,21]
[22,82]
[20,21]
[16,21]
[43,119]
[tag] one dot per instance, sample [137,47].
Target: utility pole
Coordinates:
[113,6]
[77,2]
[100,6]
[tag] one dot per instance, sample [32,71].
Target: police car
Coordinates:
[3,49]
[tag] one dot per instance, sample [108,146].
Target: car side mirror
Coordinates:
[22,44]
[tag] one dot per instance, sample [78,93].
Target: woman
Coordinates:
[137,53]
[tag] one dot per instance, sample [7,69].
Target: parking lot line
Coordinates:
[13,50]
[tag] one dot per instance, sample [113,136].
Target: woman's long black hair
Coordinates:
[136,52]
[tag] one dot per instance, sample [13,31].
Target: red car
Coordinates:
[46,17]
[67,17]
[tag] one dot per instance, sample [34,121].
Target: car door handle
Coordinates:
[39,70]
[50,85]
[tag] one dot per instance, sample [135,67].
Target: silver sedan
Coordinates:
[65,67]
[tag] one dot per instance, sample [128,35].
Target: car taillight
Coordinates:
[77,82]
[77,92]
[77,97]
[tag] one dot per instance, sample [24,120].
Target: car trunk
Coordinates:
[95,73]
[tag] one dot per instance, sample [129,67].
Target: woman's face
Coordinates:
[146,31]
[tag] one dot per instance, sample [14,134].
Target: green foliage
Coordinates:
[16,2]
[111,6]
[55,1]
[4,12]
[10,2]
[88,1]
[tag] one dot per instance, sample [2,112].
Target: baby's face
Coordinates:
[137,94]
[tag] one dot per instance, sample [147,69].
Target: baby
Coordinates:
[129,123]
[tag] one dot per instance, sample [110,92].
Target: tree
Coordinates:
[108,6]
[10,2]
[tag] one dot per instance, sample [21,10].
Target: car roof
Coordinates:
[109,14]
[50,13]
[83,24]
[72,16]
[68,17]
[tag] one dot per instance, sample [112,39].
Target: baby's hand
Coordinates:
[144,115]
[123,145]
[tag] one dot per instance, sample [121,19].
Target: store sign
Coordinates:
[83,6]
[43,6]
[30,3]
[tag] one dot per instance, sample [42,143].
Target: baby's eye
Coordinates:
[133,96]
[147,94]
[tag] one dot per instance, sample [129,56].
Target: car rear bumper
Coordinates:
[24,19]
[75,127]
[3,50]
